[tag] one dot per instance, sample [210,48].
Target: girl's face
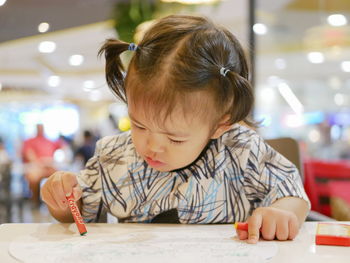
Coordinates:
[171,147]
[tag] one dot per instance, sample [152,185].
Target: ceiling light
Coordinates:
[260,29]
[345,66]
[314,135]
[89,85]
[95,95]
[290,98]
[339,99]
[274,80]
[43,27]
[191,2]
[267,94]
[315,57]
[334,82]
[54,81]
[337,20]
[280,63]
[47,47]
[293,120]
[2,2]
[76,60]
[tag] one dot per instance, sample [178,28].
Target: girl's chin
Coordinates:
[161,169]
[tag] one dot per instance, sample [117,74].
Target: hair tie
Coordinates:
[223,71]
[132,47]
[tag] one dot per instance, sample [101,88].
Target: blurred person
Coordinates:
[4,156]
[324,143]
[5,167]
[65,157]
[37,155]
[345,144]
[87,149]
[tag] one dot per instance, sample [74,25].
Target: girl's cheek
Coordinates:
[139,142]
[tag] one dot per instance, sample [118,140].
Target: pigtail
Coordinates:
[115,73]
[243,98]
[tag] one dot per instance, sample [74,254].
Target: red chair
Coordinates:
[340,200]
[318,175]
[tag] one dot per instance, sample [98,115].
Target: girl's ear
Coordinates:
[223,126]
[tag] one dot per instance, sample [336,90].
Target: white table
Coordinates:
[302,249]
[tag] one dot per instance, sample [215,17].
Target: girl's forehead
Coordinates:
[161,118]
[166,103]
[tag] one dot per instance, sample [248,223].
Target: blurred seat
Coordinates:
[289,148]
[325,179]
[11,202]
[340,200]
[5,193]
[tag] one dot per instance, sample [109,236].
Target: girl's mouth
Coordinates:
[153,163]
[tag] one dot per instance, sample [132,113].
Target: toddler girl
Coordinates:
[187,155]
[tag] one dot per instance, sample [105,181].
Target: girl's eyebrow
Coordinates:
[134,120]
[172,134]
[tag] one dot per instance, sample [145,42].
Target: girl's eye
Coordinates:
[139,127]
[176,142]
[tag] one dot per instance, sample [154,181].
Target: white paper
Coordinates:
[160,244]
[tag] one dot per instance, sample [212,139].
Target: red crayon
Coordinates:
[76,215]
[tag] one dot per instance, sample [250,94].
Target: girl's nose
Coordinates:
[154,144]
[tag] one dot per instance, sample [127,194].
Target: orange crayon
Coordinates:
[76,215]
[241,226]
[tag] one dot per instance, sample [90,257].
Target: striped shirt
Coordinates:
[234,174]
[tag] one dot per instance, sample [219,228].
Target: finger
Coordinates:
[268,229]
[242,234]
[69,181]
[58,192]
[293,228]
[282,229]
[52,201]
[77,193]
[47,197]
[254,224]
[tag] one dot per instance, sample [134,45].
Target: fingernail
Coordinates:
[68,194]
[76,194]
[253,238]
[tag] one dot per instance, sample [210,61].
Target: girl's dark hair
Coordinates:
[179,55]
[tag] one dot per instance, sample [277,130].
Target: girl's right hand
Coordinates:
[58,186]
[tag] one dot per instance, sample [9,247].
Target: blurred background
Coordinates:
[53,92]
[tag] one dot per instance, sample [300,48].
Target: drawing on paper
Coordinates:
[154,245]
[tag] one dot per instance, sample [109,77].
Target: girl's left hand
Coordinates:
[270,223]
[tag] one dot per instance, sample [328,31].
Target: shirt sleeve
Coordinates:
[269,176]
[89,180]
